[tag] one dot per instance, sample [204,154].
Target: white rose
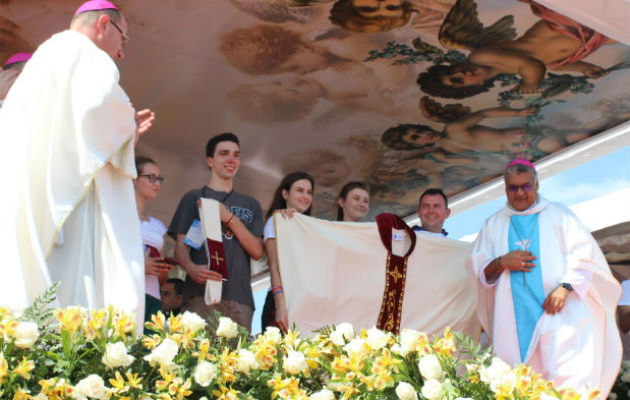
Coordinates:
[346,329]
[337,338]
[357,347]
[192,321]
[246,361]
[323,394]
[431,389]
[496,369]
[376,338]
[409,340]
[227,328]
[504,383]
[116,355]
[273,334]
[430,367]
[91,386]
[612,396]
[26,334]
[294,362]
[39,396]
[406,392]
[163,354]
[470,398]
[205,373]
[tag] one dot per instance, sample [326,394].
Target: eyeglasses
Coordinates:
[125,38]
[153,178]
[527,187]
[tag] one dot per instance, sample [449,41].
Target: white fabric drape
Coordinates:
[334,272]
[576,347]
[69,203]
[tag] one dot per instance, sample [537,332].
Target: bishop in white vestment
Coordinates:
[69,204]
[546,296]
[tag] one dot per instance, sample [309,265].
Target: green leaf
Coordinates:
[66,342]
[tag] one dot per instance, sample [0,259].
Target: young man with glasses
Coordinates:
[242,229]
[70,200]
[546,296]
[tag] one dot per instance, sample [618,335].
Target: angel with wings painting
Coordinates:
[462,134]
[555,42]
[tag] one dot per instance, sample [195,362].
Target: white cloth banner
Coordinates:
[334,272]
[211,227]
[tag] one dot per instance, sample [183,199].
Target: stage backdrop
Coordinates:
[400,94]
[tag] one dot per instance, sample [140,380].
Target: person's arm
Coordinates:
[516,260]
[198,273]
[250,243]
[282,316]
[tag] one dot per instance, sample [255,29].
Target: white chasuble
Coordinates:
[334,272]
[577,347]
[70,205]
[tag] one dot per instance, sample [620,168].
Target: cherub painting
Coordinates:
[463,135]
[555,43]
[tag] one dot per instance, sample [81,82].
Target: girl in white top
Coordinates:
[295,194]
[147,187]
[353,202]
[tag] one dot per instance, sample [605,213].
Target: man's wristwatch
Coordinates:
[567,286]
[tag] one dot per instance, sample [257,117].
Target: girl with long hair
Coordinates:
[294,194]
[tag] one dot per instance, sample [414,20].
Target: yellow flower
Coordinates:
[124,323]
[70,319]
[133,380]
[157,322]
[385,363]
[291,339]
[24,368]
[119,383]
[229,363]
[22,394]
[175,324]
[151,342]
[285,388]
[225,393]
[168,377]
[446,345]
[265,353]
[4,367]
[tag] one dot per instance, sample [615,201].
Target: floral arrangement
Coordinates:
[81,354]
[621,388]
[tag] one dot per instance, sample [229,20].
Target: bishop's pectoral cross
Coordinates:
[523,244]
[217,259]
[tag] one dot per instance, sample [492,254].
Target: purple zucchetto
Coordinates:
[521,161]
[95,5]
[18,57]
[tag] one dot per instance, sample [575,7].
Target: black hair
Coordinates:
[343,194]
[222,137]
[393,137]
[178,284]
[278,202]
[430,82]
[140,161]
[433,192]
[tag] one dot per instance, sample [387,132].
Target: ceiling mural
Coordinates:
[401,94]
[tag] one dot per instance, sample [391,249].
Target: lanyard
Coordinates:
[203,194]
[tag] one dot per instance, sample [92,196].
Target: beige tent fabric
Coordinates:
[334,272]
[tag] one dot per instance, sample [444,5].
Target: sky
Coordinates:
[607,174]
